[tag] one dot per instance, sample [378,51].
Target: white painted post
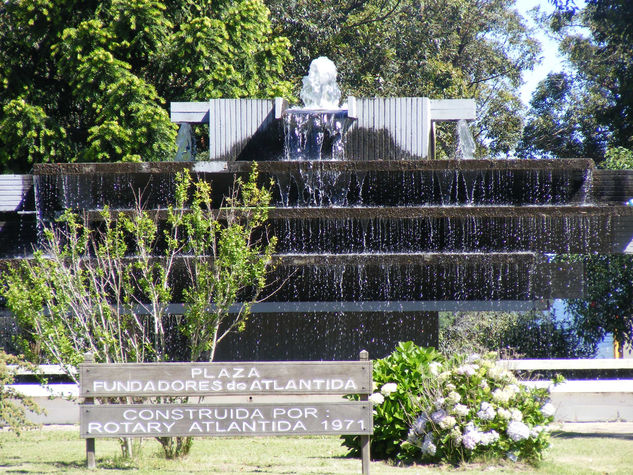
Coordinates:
[365,440]
[91,462]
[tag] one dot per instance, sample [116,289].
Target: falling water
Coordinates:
[465,141]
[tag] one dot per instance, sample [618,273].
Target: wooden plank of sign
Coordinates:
[204,379]
[151,420]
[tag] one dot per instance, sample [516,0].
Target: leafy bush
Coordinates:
[512,335]
[408,368]
[618,158]
[432,409]
[13,405]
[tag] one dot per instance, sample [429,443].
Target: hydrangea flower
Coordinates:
[447,422]
[435,367]
[388,388]
[444,375]
[467,369]
[516,415]
[504,413]
[439,403]
[518,431]
[377,399]
[487,412]
[453,398]
[498,373]
[512,389]
[437,416]
[420,424]
[428,446]
[490,437]
[471,437]
[501,396]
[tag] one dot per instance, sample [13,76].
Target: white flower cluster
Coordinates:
[504,413]
[439,403]
[461,410]
[388,388]
[453,398]
[467,370]
[497,373]
[376,399]
[503,396]
[516,415]
[517,431]
[435,367]
[437,416]
[487,412]
[471,436]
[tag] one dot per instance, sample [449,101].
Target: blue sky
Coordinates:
[551,60]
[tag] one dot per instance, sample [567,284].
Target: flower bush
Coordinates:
[403,373]
[455,410]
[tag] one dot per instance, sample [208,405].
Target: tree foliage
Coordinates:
[561,123]
[13,404]
[593,106]
[107,290]
[89,81]
[607,307]
[437,49]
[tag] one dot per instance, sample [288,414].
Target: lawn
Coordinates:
[61,450]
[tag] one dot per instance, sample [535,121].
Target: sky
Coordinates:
[552,61]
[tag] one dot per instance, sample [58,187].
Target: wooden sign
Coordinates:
[152,420]
[203,379]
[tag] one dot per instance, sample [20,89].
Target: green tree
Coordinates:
[561,123]
[436,48]
[13,404]
[89,81]
[107,289]
[596,108]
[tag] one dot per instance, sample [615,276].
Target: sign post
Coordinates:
[278,398]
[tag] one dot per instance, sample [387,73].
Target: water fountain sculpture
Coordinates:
[376,236]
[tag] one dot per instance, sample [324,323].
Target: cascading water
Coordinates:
[370,245]
[465,141]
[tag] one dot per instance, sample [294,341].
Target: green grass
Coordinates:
[61,450]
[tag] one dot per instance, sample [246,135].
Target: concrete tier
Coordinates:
[324,183]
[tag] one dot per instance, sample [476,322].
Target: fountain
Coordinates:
[376,236]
